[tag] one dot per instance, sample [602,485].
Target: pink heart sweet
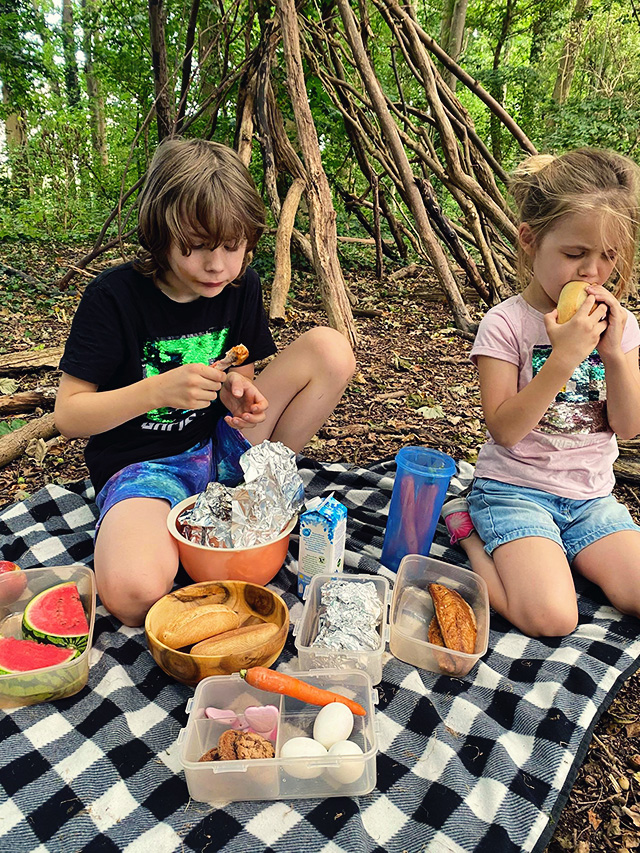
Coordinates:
[224,716]
[263,719]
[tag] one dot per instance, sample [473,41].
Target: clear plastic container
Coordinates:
[306,630]
[412,611]
[277,778]
[53,682]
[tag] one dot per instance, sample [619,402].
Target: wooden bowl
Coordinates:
[249,600]
[258,564]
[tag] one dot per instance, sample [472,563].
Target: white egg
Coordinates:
[301,747]
[333,723]
[350,771]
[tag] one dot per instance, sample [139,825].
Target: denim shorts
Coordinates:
[175,478]
[502,513]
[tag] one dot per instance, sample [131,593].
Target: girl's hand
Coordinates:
[611,339]
[573,341]
[243,400]
[190,386]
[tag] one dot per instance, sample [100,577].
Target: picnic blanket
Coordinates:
[481,763]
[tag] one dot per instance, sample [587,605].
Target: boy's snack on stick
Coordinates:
[571,298]
[232,358]
[278,682]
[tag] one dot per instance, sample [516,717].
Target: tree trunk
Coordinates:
[13,444]
[187,62]
[17,362]
[497,87]
[322,216]
[570,50]
[16,143]
[414,200]
[456,37]
[94,93]
[244,132]
[26,401]
[157,23]
[282,275]
[69,47]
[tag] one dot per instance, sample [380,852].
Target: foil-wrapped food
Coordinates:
[254,512]
[348,616]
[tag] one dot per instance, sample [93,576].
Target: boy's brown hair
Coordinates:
[196,191]
[587,180]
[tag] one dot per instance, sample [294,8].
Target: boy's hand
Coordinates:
[243,400]
[574,340]
[190,386]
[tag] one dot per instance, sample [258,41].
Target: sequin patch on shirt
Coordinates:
[581,405]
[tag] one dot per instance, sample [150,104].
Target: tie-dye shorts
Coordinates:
[175,478]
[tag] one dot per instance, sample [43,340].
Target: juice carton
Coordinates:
[323,530]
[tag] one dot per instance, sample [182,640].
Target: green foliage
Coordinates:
[54,185]
[12,425]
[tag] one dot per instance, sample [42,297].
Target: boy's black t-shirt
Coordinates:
[126,329]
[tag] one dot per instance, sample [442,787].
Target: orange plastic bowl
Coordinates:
[257,564]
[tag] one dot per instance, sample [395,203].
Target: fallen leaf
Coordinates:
[593,819]
[37,448]
[431,412]
[633,729]
[633,814]
[8,386]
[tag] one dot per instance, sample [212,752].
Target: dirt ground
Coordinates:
[414,385]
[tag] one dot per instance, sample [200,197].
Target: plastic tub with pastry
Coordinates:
[216,628]
[257,564]
[439,618]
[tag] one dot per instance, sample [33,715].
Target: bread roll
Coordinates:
[571,298]
[237,641]
[456,619]
[197,624]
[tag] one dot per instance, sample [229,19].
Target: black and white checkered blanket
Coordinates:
[482,763]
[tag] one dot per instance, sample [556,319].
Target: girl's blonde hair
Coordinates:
[196,192]
[588,180]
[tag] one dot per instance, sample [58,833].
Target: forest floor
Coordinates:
[414,385]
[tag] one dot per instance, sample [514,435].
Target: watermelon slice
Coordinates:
[25,655]
[57,616]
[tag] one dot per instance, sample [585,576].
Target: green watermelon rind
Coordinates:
[44,685]
[29,632]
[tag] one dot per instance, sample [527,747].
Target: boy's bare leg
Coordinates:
[613,563]
[303,385]
[135,558]
[529,583]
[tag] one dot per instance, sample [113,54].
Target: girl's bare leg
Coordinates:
[529,583]
[613,563]
[303,384]
[135,558]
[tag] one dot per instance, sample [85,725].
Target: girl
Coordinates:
[137,367]
[553,398]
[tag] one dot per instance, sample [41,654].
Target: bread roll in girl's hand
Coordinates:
[571,298]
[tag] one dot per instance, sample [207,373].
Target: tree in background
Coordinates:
[414,138]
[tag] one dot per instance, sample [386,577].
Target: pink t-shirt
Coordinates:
[572,450]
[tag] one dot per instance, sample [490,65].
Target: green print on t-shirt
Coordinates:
[580,405]
[162,354]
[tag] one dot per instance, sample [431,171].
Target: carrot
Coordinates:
[278,682]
